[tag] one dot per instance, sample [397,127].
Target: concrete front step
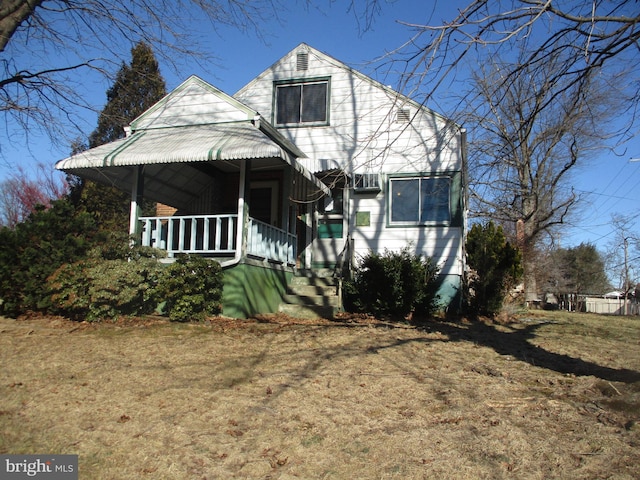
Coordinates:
[308,311]
[313,290]
[312,294]
[312,300]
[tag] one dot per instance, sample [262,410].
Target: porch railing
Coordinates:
[203,234]
[268,242]
[216,235]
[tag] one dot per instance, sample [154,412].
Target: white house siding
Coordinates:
[364,137]
[362,126]
[194,102]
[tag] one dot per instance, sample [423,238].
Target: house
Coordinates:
[309,166]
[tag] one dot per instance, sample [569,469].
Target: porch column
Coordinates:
[137,191]
[286,202]
[243,209]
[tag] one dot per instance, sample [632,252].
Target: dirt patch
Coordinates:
[544,396]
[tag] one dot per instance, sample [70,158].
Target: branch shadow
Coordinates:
[517,344]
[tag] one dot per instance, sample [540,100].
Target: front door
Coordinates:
[263,202]
[330,233]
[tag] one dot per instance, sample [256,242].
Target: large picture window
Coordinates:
[302,103]
[419,200]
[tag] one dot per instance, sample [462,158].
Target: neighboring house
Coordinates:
[310,166]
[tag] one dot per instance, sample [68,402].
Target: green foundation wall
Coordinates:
[250,289]
[450,294]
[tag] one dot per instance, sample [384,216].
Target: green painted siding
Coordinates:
[449,294]
[250,289]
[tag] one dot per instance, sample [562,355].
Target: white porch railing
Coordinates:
[204,234]
[216,235]
[271,243]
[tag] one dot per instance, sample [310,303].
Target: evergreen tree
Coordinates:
[497,266]
[582,270]
[136,88]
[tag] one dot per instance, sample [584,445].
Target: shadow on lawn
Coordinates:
[516,343]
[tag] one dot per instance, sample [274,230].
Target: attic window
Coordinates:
[302,103]
[302,61]
[403,115]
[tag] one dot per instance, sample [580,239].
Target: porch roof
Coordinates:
[175,158]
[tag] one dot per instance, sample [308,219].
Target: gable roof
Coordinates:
[401,98]
[193,102]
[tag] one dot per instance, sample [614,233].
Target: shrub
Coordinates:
[496,264]
[96,289]
[36,247]
[191,288]
[393,283]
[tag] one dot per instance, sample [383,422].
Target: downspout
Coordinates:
[240,244]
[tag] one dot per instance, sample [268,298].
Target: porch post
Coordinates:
[286,200]
[136,201]
[243,210]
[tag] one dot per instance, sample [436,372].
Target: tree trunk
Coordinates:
[12,14]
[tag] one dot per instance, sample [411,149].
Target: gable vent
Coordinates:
[403,115]
[302,61]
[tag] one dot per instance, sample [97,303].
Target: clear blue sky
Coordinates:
[610,184]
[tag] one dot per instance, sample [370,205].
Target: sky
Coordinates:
[609,183]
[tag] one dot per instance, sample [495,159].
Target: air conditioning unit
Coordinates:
[366,183]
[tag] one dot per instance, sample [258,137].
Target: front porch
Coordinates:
[238,193]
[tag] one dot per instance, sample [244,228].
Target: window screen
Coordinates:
[419,200]
[301,103]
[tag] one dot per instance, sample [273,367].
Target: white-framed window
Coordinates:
[303,103]
[419,200]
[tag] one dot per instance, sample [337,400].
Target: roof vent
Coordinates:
[403,115]
[302,62]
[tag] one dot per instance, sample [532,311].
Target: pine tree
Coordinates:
[583,270]
[136,88]
[496,264]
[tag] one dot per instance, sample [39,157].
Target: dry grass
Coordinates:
[546,396]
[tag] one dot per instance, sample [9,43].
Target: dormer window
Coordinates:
[302,103]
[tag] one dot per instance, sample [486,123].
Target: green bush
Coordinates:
[96,289]
[496,265]
[393,283]
[35,249]
[191,288]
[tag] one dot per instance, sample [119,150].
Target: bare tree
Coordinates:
[48,46]
[593,33]
[624,253]
[530,128]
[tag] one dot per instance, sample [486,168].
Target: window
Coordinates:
[302,103]
[419,200]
